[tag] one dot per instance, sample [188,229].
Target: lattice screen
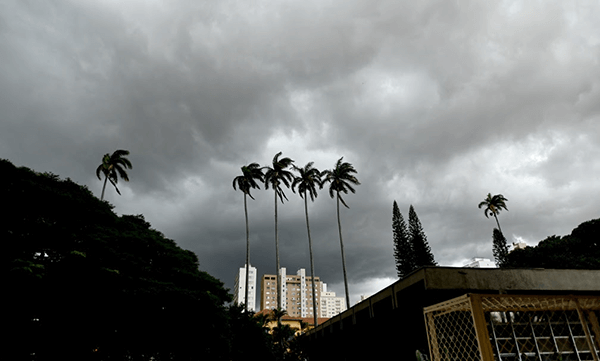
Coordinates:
[514,328]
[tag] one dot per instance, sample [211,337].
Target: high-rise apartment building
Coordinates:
[296,293]
[480,262]
[331,305]
[239,294]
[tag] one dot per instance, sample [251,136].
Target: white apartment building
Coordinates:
[331,305]
[480,262]
[239,294]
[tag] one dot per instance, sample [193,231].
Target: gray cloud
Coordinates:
[435,103]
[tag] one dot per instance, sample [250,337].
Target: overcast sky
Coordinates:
[435,103]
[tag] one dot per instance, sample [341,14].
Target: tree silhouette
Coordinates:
[421,250]
[500,249]
[340,179]
[494,205]
[403,252]
[246,182]
[307,181]
[113,166]
[274,176]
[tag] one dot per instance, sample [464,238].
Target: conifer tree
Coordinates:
[422,255]
[402,249]
[500,249]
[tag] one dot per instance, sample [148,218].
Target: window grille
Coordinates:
[514,328]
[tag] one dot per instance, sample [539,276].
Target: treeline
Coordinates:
[84,283]
[578,250]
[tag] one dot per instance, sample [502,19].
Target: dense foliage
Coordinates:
[84,283]
[579,250]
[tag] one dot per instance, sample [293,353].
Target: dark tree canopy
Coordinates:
[403,252]
[579,250]
[422,255]
[85,283]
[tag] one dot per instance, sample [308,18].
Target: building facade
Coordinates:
[296,293]
[239,294]
[331,305]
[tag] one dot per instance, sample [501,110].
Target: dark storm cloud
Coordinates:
[435,103]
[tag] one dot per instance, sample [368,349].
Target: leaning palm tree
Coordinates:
[494,205]
[341,180]
[307,181]
[113,166]
[246,182]
[274,176]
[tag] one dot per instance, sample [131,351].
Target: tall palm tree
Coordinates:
[246,182]
[274,176]
[341,180]
[493,205]
[307,181]
[113,166]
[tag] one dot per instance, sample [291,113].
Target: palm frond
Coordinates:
[114,183]
[493,204]
[99,170]
[275,175]
[122,172]
[247,181]
[343,202]
[307,180]
[340,179]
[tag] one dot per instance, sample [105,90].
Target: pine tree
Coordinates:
[402,249]
[422,255]
[500,249]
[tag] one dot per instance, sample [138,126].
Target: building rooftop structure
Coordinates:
[392,320]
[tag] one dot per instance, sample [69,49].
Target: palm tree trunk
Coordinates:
[498,223]
[247,255]
[104,187]
[277,276]
[343,257]
[312,265]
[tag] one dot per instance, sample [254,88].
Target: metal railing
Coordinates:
[514,328]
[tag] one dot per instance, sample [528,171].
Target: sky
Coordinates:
[434,103]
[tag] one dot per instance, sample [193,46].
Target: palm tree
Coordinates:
[274,176]
[307,181]
[277,314]
[246,182]
[341,180]
[113,166]
[494,205]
